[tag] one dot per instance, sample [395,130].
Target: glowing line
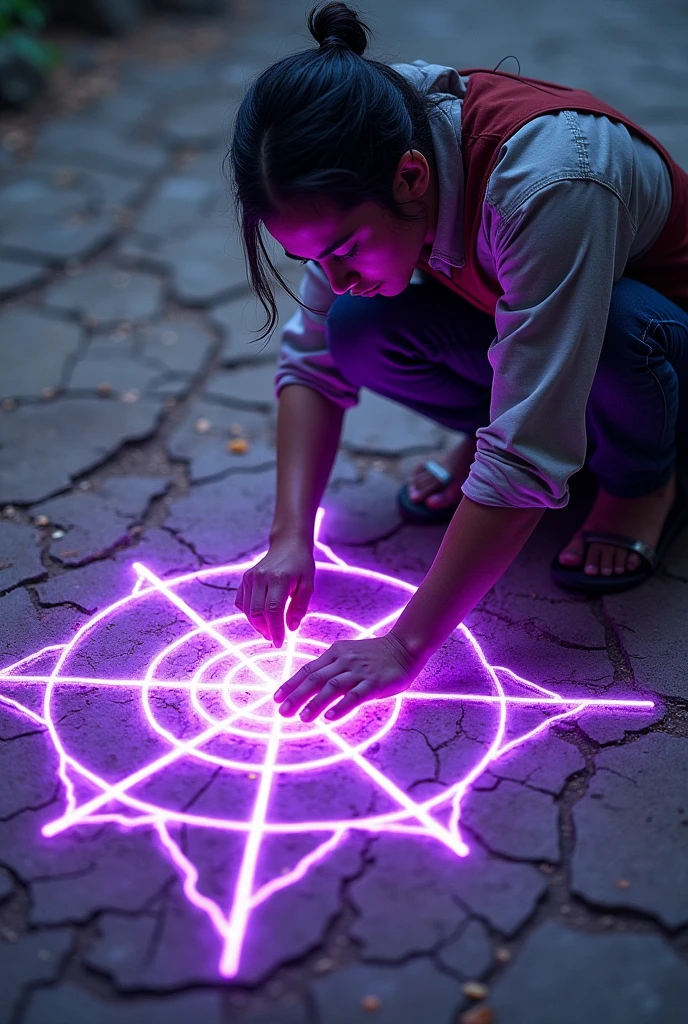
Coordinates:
[238,918]
[410,817]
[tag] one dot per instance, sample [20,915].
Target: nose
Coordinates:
[342,280]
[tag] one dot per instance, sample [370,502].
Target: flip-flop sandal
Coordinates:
[418,511]
[576,579]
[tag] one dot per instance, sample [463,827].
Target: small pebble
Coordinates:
[129,397]
[503,954]
[170,402]
[85,485]
[9,511]
[9,404]
[477,1015]
[474,989]
[9,935]
[48,393]
[91,321]
[104,389]
[565,909]
[64,177]
[623,883]
[236,430]
[202,426]
[44,955]
[252,775]
[607,922]
[547,869]
[238,446]
[324,964]
[42,521]
[371,1003]
[57,534]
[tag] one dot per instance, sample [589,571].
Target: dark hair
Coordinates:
[321,122]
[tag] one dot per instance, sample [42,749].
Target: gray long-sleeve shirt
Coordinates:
[572,200]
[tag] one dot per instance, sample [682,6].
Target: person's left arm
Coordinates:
[556,258]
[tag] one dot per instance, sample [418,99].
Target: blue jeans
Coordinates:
[427,349]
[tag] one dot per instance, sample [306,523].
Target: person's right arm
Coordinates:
[308,429]
[312,397]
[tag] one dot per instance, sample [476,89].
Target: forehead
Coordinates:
[305,225]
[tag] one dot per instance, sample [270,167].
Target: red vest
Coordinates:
[495,107]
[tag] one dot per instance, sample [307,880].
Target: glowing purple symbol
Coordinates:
[206,697]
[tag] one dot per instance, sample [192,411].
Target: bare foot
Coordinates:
[640,518]
[424,487]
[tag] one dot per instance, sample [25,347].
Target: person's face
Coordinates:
[366,250]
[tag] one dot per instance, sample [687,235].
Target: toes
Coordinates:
[606,562]
[422,484]
[592,560]
[449,495]
[572,554]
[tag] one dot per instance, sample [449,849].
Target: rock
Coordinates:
[94,522]
[16,277]
[631,820]
[200,124]
[377,426]
[20,558]
[55,244]
[205,266]
[208,452]
[108,296]
[627,978]
[239,319]
[34,349]
[249,387]
[35,959]
[470,955]
[514,821]
[68,1004]
[415,991]
[44,446]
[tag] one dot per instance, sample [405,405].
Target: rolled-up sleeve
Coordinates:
[557,256]
[304,355]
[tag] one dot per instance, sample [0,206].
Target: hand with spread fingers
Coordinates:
[350,672]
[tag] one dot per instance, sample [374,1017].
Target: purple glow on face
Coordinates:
[233,724]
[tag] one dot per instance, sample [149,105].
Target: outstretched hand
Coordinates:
[351,672]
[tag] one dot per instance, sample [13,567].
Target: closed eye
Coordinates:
[348,255]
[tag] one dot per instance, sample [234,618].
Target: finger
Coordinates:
[256,608]
[302,675]
[275,600]
[332,690]
[353,699]
[298,605]
[311,684]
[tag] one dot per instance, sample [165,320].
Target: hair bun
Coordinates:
[337,24]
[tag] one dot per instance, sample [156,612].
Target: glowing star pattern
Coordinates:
[208,715]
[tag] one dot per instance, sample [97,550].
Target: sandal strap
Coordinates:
[621,540]
[440,473]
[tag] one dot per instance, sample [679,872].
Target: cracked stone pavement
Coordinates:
[137,423]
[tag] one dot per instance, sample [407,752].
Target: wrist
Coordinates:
[292,533]
[415,648]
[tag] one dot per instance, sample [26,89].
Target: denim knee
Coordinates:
[627,344]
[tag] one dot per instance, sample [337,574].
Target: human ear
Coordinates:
[412,176]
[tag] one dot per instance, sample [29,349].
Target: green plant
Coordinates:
[21,22]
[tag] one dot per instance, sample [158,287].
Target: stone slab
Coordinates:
[247,387]
[44,446]
[176,203]
[34,960]
[57,243]
[363,514]
[177,346]
[239,319]
[16,277]
[226,519]
[632,826]
[20,557]
[377,426]
[107,295]
[205,266]
[34,350]
[515,821]
[470,955]
[78,140]
[200,124]
[416,991]
[571,977]
[68,1004]
[94,522]
[202,439]
[410,898]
